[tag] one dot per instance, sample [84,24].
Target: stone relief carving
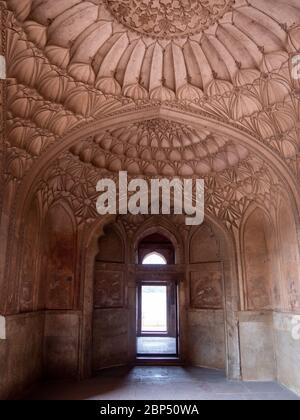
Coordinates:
[228,192]
[206,287]
[161,147]
[97,51]
[131,223]
[109,289]
[46,101]
[168,18]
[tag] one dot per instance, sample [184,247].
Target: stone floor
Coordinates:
[157,383]
[156,345]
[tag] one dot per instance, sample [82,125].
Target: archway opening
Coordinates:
[157,330]
[156,249]
[154,258]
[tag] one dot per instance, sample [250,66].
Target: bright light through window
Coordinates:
[154,259]
[154,309]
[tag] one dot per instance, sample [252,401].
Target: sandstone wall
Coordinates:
[21,354]
[206,339]
[287,351]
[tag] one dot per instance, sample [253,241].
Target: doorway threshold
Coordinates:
[158,361]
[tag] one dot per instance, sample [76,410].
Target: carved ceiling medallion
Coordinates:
[168,18]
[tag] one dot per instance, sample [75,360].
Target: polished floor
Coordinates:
[157,383]
[156,345]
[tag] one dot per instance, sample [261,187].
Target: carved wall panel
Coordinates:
[258,262]
[206,276]
[109,289]
[58,278]
[206,287]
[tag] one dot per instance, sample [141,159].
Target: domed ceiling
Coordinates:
[72,64]
[161,147]
[234,176]
[168,18]
[162,49]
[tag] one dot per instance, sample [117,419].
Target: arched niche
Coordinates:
[110,325]
[167,232]
[117,327]
[88,253]
[261,288]
[59,259]
[111,246]
[289,257]
[204,246]
[213,299]
[158,244]
[28,294]
[154,258]
[258,250]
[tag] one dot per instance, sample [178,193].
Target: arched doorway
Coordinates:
[157,299]
[200,267]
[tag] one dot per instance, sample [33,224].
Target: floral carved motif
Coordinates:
[168,18]
[63,76]
[206,287]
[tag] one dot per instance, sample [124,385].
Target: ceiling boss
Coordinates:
[168,18]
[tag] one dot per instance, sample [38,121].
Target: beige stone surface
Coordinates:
[2,328]
[258,358]
[110,338]
[21,354]
[61,344]
[2,67]
[206,339]
[287,352]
